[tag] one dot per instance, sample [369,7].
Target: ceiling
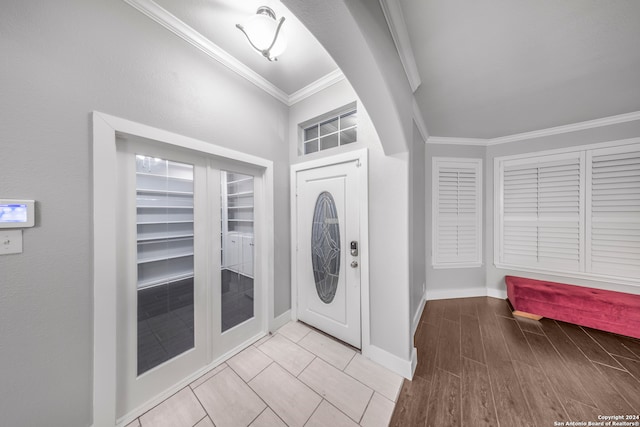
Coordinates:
[500,67]
[304,61]
[487,68]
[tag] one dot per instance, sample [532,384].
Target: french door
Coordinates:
[186,291]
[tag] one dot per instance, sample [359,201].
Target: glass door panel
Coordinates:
[237,242]
[165,263]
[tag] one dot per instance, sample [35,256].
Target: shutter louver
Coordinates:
[542,212]
[614,211]
[457,212]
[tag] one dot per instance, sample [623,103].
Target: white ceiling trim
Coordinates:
[315,87]
[590,124]
[457,141]
[398,27]
[418,119]
[184,31]
[575,127]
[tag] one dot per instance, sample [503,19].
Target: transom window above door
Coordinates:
[330,130]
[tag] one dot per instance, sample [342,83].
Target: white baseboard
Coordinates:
[497,293]
[280,321]
[418,314]
[456,293]
[414,361]
[465,293]
[390,361]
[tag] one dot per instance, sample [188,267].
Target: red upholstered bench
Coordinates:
[609,311]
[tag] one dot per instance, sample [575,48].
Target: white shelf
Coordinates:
[241,193]
[239,207]
[167,238]
[149,283]
[164,207]
[164,222]
[178,193]
[175,178]
[239,220]
[164,258]
[237,181]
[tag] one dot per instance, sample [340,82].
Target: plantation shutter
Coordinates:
[542,212]
[614,211]
[457,235]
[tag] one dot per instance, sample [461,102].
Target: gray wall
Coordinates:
[495,276]
[61,60]
[417,223]
[450,282]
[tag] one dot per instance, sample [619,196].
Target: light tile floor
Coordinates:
[296,377]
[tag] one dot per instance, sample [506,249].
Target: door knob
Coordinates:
[354,264]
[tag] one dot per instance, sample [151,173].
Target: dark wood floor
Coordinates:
[479,366]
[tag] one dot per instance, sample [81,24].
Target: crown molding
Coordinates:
[418,119]
[398,28]
[557,130]
[457,141]
[315,87]
[188,34]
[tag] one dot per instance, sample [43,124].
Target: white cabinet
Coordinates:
[246,267]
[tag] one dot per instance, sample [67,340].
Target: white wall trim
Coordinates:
[418,119]
[456,141]
[319,85]
[169,21]
[497,293]
[398,28]
[362,156]
[456,293]
[418,315]
[466,293]
[280,321]
[390,361]
[105,128]
[188,34]
[589,124]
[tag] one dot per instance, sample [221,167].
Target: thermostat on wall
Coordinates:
[17,213]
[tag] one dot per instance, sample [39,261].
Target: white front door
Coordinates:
[328,245]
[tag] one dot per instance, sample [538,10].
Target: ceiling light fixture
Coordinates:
[262,31]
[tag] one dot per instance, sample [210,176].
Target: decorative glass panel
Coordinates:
[325,247]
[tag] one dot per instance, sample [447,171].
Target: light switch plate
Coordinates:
[10,242]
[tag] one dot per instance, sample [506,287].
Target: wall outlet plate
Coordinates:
[10,242]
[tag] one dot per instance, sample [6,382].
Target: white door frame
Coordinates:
[360,155]
[105,196]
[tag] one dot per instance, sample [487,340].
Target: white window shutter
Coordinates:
[457,212]
[613,214]
[542,211]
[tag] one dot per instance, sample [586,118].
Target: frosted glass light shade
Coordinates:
[261,30]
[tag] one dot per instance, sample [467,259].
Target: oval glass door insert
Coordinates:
[325,247]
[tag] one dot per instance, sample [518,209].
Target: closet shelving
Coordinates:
[237,223]
[164,202]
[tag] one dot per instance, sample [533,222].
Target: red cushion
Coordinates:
[610,311]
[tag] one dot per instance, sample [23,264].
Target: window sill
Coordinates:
[573,275]
[457,265]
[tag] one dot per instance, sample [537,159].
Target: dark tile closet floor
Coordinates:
[166,316]
[480,366]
